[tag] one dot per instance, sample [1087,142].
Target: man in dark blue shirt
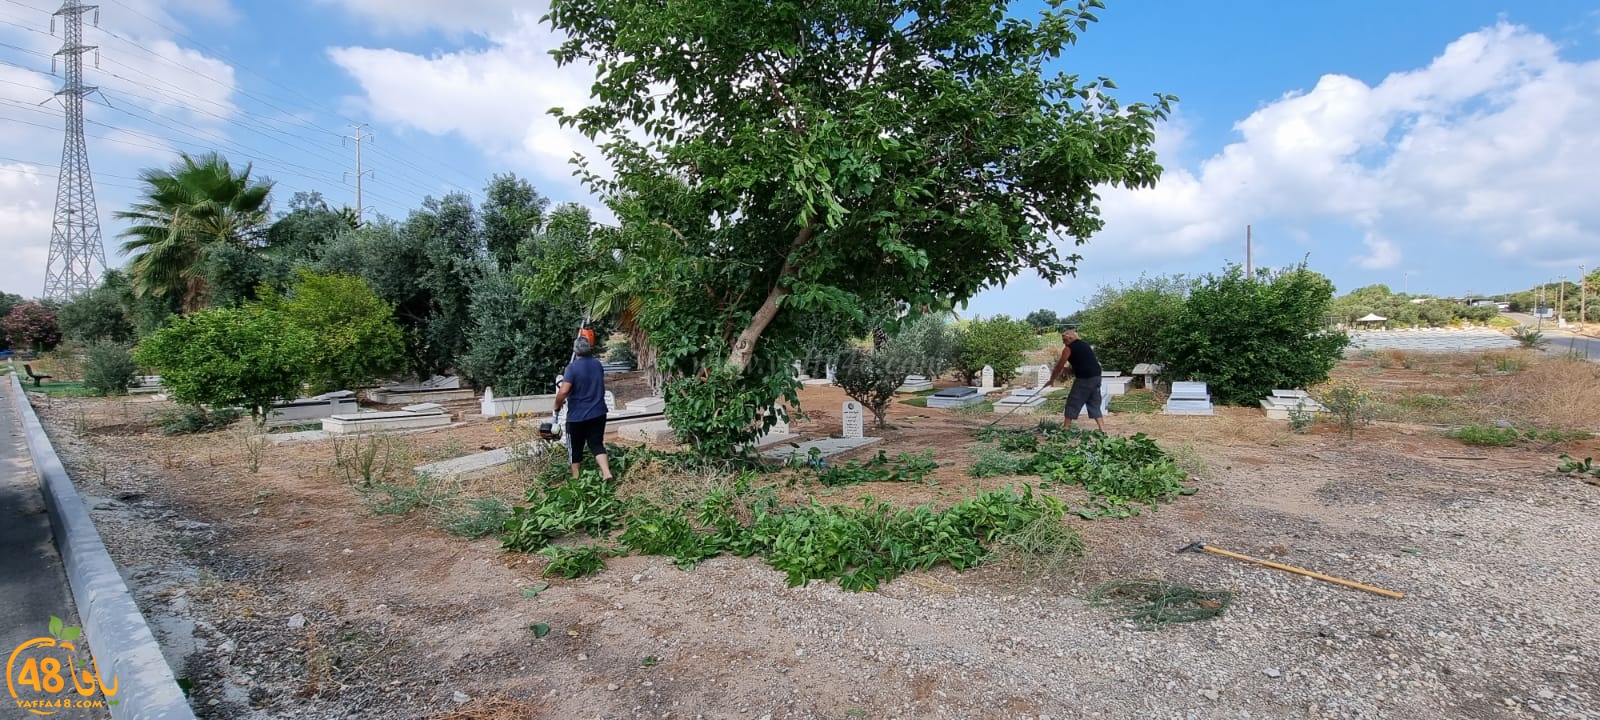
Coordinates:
[583,393]
[1086,373]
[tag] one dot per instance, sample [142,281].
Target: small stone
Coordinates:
[583,656]
[228,646]
[613,687]
[1272,672]
[1210,694]
[297,620]
[460,697]
[1547,694]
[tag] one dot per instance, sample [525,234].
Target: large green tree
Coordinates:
[186,211]
[355,338]
[805,156]
[512,211]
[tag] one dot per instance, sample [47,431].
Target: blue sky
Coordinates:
[1444,146]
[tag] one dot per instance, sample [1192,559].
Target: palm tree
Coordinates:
[186,211]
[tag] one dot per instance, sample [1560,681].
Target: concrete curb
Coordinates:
[122,643]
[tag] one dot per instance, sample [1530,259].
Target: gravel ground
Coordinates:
[279,597]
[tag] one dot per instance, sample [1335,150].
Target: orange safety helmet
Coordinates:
[587,334]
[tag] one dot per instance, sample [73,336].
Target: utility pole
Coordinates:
[360,134]
[75,247]
[1249,269]
[1561,300]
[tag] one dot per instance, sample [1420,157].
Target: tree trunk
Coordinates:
[744,348]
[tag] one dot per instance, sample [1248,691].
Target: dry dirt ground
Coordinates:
[280,595]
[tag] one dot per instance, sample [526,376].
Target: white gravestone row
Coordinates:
[854,420]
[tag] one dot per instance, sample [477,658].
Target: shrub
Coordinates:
[1529,337]
[108,369]
[870,378]
[225,356]
[191,419]
[1348,403]
[1488,435]
[100,315]
[1125,324]
[516,344]
[30,326]
[355,338]
[998,342]
[925,346]
[1247,336]
[720,412]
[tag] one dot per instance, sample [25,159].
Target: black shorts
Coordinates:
[1085,393]
[591,433]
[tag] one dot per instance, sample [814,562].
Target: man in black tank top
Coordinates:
[1086,371]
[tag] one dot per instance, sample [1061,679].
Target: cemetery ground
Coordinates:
[285,595]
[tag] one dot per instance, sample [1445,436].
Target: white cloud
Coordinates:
[496,98]
[27,204]
[1381,253]
[477,16]
[1491,148]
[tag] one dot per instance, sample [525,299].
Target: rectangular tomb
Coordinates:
[383,422]
[306,410]
[956,397]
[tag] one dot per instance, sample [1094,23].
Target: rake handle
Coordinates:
[1305,572]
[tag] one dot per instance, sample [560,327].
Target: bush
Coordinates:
[870,378]
[720,412]
[1125,325]
[108,369]
[1529,337]
[30,326]
[247,356]
[998,342]
[1348,404]
[100,315]
[191,419]
[517,345]
[355,338]
[1247,336]
[925,346]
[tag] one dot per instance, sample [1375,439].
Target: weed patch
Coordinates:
[904,468]
[1119,473]
[192,419]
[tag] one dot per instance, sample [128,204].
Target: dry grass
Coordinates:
[491,709]
[1552,393]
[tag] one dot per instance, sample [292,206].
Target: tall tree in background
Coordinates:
[310,224]
[187,210]
[806,156]
[512,211]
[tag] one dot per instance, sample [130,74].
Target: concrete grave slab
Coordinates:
[383,422]
[914,384]
[956,397]
[388,396]
[307,410]
[827,448]
[492,406]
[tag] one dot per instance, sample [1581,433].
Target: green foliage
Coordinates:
[30,326]
[904,468]
[477,518]
[512,210]
[870,378]
[1247,336]
[355,338]
[1151,604]
[301,234]
[518,345]
[1301,420]
[585,504]
[999,342]
[1125,324]
[1117,472]
[184,212]
[192,419]
[721,411]
[619,351]
[1348,403]
[248,356]
[1405,310]
[1529,337]
[653,530]
[108,368]
[100,315]
[1043,321]
[574,562]
[993,462]
[783,174]
[400,498]
[1504,436]
[1570,466]
[925,346]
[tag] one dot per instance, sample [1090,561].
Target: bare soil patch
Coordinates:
[289,599]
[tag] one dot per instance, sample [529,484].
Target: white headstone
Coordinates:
[799,369]
[1041,375]
[781,427]
[854,420]
[987,377]
[611,402]
[486,405]
[832,371]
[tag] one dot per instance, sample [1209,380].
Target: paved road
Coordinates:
[33,585]
[1564,342]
